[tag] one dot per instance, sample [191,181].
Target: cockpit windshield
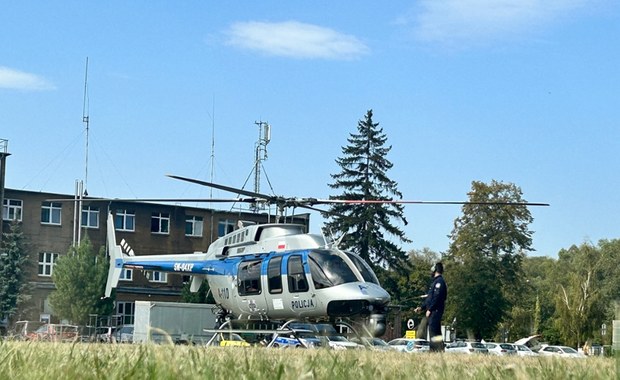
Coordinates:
[329,269]
[363,267]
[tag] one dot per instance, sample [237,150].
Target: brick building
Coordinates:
[48,223]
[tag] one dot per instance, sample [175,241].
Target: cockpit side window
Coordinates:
[274,275]
[297,281]
[329,269]
[249,277]
[364,268]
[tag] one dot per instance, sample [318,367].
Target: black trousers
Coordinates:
[434,331]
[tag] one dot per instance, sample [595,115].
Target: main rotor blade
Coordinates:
[202,200]
[222,187]
[391,201]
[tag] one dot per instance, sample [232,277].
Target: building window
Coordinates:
[50,212]
[125,220]
[193,226]
[126,274]
[160,223]
[157,276]
[12,209]
[90,217]
[46,263]
[126,310]
[225,226]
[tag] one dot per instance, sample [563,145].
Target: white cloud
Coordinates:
[19,80]
[472,21]
[296,40]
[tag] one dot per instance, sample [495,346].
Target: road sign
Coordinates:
[410,324]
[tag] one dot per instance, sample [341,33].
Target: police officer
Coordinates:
[434,305]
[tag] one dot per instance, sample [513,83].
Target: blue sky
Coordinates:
[521,91]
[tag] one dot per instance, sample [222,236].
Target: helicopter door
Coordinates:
[302,300]
[251,298]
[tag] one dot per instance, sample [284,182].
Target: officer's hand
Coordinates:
[428,313]
[417,309]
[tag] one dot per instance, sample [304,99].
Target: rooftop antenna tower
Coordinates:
[264,136]
[86,121]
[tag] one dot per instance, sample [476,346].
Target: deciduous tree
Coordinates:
[488,244]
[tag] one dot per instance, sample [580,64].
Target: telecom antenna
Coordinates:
[264,136]
[86,121]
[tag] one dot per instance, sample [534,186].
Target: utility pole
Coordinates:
[4,145]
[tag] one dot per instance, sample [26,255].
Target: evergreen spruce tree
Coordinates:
[80,277]
[13,266]
[367,228]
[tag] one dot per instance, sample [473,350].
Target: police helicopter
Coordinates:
[274,272]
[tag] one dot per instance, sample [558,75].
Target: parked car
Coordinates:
[463,347]
[300,335]
[409,345]
[560,351]
[57,333]
[339,342]
[523,350]
[501,348]
[124,334]
[229,340]
[376,344]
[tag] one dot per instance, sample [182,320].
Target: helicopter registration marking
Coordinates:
[302,304]
[183,267]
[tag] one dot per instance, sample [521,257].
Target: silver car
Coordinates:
[523,350]
[467,348]
[501,349]
[409,345]
[560,351]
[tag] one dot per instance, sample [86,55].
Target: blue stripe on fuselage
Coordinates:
[219,267]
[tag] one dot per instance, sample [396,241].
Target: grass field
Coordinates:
[23,360]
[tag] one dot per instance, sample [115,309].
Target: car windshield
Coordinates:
[329,269]
[569,350]
[422,342]
[477,345]
[337,338]
[377,342]
[507,346]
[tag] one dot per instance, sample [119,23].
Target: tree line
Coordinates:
[497,289]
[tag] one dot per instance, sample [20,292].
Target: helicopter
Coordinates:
[274,272]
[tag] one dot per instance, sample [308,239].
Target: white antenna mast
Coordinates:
[212,159]
[86,121]
[264,136]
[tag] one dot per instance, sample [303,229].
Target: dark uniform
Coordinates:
[436,302]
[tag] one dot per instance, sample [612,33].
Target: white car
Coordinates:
[339,342]
[409,345]
[560,351]
[523,350]
[501,349]
[467,348]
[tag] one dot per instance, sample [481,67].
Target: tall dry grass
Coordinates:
[23,360]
